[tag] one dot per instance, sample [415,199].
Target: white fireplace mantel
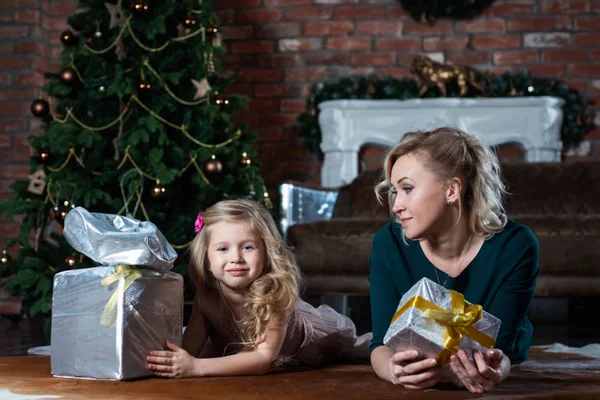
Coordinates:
[346,125]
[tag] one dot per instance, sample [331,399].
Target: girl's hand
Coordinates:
[477,375]
[171,364]
[409,370]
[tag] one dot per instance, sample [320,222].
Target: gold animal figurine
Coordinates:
[432,74]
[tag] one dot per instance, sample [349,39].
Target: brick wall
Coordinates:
[280,47]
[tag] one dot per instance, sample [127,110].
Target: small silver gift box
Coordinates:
[105,320]
[437,322]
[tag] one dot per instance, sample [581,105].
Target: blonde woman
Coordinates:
[247,303]
[446,193]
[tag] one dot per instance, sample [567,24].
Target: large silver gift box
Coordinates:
[415,329]
[105,320]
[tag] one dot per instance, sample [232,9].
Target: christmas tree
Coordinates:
[136,123]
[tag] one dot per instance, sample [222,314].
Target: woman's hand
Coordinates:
[409,370]
[171,364]
[477,375]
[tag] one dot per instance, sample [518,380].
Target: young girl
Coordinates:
[247,303]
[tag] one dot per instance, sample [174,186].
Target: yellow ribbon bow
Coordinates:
[458,322]
[130,274]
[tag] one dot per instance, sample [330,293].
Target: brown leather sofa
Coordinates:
[560,202]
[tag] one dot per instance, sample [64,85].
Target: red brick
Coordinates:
[587,23]
[480,25]
[396,13]
[63,8]
[546,39]
[5,48]
[9,230]
[18,109]
[320,58]
[445,43]
[594,86]
[348,44]
[5,78]
[28,17]
[260,75]
[250,118]
[328,28]
[305,13]
[547,71]
[522,7]
[5,141]
[516,57]
[593,134]
[220,4]
[29,79]
[496,42]
[577,84]
[58,24]
[377,28]
[277,3]
[15,63]
[373,12]
[13,31]
[260,106]
[586,39]
[279,60]
[565,55]
[592,71]
[297,167]
[469,57]
[18,3]
[238,60]
[563,22]
[277,30]
[373,59]
[29,47]
[14,171]
[270,134]
[293,105]
[269,90]
[14,155]
[595,54]
[441,27]
[305,74]
[6,17]
[530,24]
[227,17]
[394,72]
[18,94]
[398,44]
[252,46]
[237,32]
[260,16]
[300,44]
[565,6]
[280,120]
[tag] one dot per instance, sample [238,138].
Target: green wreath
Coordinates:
[431,10]
[577,115]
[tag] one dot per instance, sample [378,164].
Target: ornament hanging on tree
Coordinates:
[60,213]
[42,156]
[213,169]
[158,190]
[139,8]
[37,182]
[245,161]
[68,38]
[212,33]
[71,261]
[117,17]
[189,21]
[40,108]
[222,102]
[68,76]
[202,88]
[6,258]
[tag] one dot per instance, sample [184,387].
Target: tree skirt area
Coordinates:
[546,375]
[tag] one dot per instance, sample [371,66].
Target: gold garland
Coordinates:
[184,102]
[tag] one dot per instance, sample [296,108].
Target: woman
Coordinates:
[446,193]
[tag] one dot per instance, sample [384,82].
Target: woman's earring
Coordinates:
[450,202]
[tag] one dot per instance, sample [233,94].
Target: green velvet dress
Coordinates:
[501,278]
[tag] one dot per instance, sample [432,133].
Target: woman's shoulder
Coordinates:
[518,234]
[387,233]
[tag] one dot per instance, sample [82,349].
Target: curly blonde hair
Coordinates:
[450,152]
[276,291]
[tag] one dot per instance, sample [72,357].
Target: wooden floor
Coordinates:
[544,376]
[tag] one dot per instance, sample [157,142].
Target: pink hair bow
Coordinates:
[199,223]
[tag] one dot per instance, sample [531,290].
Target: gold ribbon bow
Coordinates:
[130,274]
[458,322]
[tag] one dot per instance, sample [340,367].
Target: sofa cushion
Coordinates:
[336,246]
[357,199]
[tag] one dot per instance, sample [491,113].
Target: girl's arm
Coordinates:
[180,364]
[196,333]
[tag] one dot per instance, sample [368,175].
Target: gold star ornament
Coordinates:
[202,87]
